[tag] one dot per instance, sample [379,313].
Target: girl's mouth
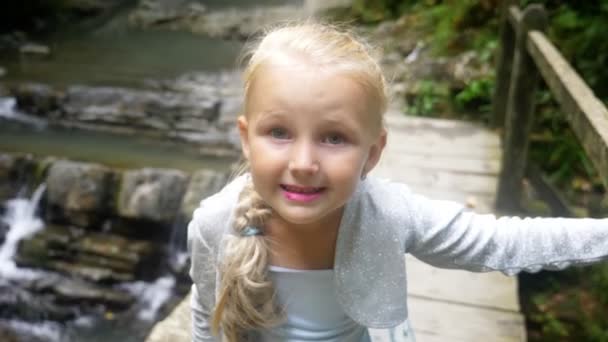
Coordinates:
[300,193]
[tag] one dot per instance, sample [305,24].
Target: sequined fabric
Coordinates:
[383,221]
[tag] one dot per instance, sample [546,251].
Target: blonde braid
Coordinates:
[246,299]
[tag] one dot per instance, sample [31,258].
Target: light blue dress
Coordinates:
[312,312]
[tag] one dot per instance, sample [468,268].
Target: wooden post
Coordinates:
[504,62]
[520,107]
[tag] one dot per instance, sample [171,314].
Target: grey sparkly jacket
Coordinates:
[383,221]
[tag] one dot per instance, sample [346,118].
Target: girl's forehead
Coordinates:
[303,92]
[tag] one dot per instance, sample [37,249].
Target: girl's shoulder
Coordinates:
[383,191]
[214,213]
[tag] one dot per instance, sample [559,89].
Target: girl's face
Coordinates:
[309,136]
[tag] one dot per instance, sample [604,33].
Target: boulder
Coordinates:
[7,164]
[228,23]
[35,49]
[139,108]
[38,99]
[176,326]
[79,192]
[88,7]
[203,183]
[16,302]
[16,171]
[8,335]
[151,194]
[155,12]
[99,257]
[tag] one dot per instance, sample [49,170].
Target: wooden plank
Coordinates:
[587,115]
[441,321]
[439,149]
[479,203]
[423,132]
[469,183]
[491,290]
[446,163]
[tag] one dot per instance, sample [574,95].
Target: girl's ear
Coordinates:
[375,151]
[243,126]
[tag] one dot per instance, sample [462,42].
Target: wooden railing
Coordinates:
[526,54]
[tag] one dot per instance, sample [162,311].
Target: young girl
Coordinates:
[306,247]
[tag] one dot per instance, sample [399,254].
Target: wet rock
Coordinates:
[203,183]
[137,108]
[38,99]
[155,12]
[98,257]
[16,171]
[35,49]
[8,335]
[4,227]
[241,24]
[78,192]
[151,194]
[88,7]
[198,108]
[16,302]
[176,326]
[7,163]
[230,23]
[73,291]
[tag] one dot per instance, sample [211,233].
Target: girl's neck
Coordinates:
[303,246]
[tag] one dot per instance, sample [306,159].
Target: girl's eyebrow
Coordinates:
[267,115]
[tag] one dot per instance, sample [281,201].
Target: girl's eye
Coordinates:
[279,133]
[334,139]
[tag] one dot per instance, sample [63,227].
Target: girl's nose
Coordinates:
[303,159]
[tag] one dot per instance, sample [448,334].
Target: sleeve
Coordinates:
[447,235]
[203,274]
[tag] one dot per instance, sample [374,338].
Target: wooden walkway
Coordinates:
[457,161]
[446,160]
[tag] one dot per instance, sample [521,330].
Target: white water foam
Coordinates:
[150,296]
[21,219]
[8,110]
[43,331]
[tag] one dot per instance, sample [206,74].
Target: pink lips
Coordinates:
[301,194]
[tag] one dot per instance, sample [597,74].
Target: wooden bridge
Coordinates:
[458,161]
[472,164]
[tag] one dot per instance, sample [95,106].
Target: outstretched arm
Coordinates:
[447,235]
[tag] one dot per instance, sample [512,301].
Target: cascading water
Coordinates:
[8,111]
[22,222]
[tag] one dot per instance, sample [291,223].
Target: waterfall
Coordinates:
[150,296]
[178,251]
[20,216]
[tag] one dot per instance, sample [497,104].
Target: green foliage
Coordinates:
[569,305]
[579,30]
[476,97]
[373,11]
[429,98]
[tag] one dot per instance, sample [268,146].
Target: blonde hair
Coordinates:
[246,295]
